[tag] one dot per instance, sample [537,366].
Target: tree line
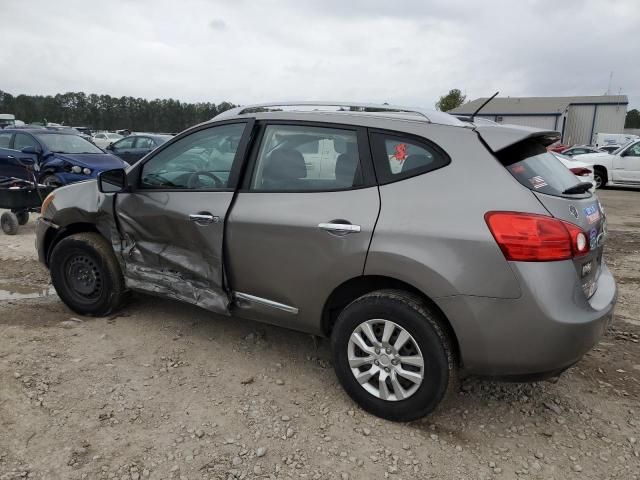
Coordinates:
[104,112]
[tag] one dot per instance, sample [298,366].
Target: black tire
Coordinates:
[51,181]
[9,223]
[412,314]
[600,177]
[23,217]
[86,274]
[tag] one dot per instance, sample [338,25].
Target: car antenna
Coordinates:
[483,105]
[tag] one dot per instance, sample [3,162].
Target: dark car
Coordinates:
[134,147]
[61,157]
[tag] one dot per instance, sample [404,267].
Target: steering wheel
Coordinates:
[194,179]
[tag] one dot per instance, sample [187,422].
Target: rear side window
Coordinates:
[126,143]
[5,139]
[534,167]
[398,157]
[144,142]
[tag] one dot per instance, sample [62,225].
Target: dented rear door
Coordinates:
[172,222]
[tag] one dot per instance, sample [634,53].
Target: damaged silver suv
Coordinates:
[419,244]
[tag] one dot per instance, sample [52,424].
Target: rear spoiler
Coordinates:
[499,137]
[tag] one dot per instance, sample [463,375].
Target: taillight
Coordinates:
[527,237]
[581,171]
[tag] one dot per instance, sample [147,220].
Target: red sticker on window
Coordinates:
[518,169]
[401,152]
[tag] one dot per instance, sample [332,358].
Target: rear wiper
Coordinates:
[581,187]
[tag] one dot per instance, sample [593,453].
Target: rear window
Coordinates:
[397,157]
[537,169]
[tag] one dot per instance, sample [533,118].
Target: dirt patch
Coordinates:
[169,391]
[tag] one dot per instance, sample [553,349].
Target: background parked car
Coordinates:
[104,139]
[582,170]
[62,157]
[557,147]
[83,130]
[580,150]
[135,146]
[610,148]
[620,168]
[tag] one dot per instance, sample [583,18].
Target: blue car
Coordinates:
[60,157]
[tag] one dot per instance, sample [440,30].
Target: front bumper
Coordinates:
[44,230]
[548,329]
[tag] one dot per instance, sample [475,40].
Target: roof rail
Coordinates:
[360,107]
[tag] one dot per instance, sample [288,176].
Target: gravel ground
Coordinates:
[168,391]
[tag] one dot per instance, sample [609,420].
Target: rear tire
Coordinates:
[23,217]
[408,382]
[600,177]
[9,223]
[86,274]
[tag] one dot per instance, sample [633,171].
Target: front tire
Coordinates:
[600,177]
[392,355]
[86,274]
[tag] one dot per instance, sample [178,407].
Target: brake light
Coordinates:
[526,237]
[581,171]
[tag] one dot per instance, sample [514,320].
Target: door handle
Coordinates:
[204,218]
[339,228]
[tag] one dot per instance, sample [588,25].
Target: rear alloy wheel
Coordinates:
[392,355]
[9,223]
[385,359]
[86,274]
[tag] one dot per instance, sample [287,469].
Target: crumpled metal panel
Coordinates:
[169,283]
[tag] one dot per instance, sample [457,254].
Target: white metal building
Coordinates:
[577,118]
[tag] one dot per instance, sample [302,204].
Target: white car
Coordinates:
[619,168]
[104,139]
[582,170]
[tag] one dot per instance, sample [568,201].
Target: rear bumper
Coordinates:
[548,329]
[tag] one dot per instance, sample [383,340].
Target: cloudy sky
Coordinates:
[243,51]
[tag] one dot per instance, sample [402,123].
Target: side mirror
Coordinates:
[30,150]
[112,181]
[109,147]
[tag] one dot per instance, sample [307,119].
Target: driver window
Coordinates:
[22,140]
[199,161]
[126,143]
[634,151]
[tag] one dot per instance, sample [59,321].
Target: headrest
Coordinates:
[285,164]
[341,145]
[415,161]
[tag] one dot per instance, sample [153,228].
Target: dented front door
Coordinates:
[172,222]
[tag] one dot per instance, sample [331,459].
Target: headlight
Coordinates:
[47,201]
[86,171]
[76,169]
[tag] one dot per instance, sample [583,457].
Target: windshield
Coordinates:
[63,143]
[535,168]
[618,150]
